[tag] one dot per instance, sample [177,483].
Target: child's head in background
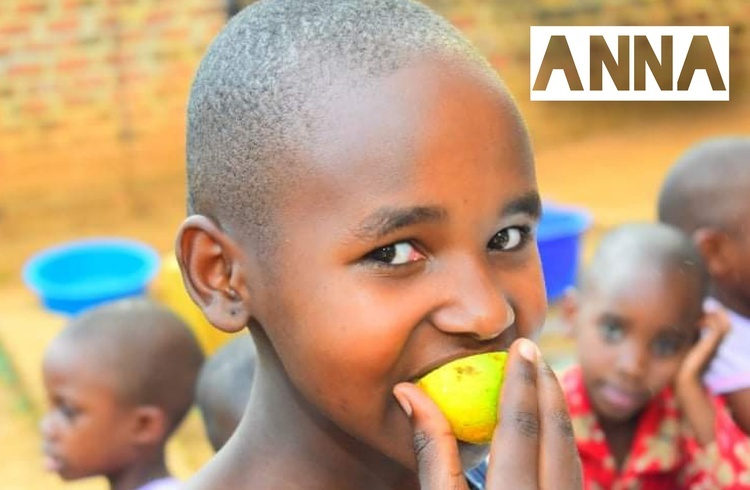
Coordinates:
[636,316]
[706,195]
[120,378]
[224,387]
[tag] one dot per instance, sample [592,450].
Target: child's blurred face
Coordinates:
[84,430]
[409,243]
[736,285]
[631,337]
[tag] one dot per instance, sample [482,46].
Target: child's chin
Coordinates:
[472,454]
[69,475]
[53,465]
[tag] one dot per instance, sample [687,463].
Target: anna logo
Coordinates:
[630,63]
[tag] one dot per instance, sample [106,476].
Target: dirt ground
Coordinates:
[614,173]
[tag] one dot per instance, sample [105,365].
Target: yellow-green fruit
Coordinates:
[467,391]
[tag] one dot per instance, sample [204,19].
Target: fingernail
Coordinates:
[528,350]
[405,405]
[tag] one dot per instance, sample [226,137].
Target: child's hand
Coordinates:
[691,395]
[533,446]
[715,325]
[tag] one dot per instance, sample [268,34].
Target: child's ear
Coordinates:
[150,425]
[212,267]
[569,310]
[712,244]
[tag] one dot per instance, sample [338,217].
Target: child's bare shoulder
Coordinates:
[232,469]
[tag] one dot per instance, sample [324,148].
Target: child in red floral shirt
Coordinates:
[641,417]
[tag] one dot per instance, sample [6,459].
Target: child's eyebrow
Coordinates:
[529,203]
[613,318]
[387,220]
[674,331]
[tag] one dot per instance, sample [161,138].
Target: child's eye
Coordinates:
[510,238]
[611,332]
[665,346]
[395,254]
[67,411]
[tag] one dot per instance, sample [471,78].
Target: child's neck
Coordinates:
[619,437]
[281,438]
[140,473]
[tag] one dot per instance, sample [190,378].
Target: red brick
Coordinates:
[175,33]
[110,21]
[131,77]
[117,58]
[32,7]
[37,46]
[65,25]
[34,107]
[14,29]
[72,64]
[25,69]
[159,16]
[128,35]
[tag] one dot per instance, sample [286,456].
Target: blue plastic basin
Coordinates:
[73,276]
[559,237]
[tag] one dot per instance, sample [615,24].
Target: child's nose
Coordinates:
[46,425]
[632,361]
[475,304]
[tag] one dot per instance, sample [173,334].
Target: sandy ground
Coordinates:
[615,174]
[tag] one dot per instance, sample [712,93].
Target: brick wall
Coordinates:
[92,100]
[93,93]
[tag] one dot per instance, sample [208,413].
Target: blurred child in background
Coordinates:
[707,195]
[641,416]
[120,378]
[224,387]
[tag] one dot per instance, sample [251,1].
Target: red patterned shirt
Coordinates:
[664,455]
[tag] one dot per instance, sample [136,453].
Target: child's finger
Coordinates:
[435,447]
[561,465]
[514,459]
[715,327]
[718,322]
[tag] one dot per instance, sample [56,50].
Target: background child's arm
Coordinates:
[718,454]
[695,401]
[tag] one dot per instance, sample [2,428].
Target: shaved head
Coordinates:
[148,354]
[257,95]
[705,185]
[630,249]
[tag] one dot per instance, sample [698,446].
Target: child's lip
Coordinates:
[621,398]
[52,462]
